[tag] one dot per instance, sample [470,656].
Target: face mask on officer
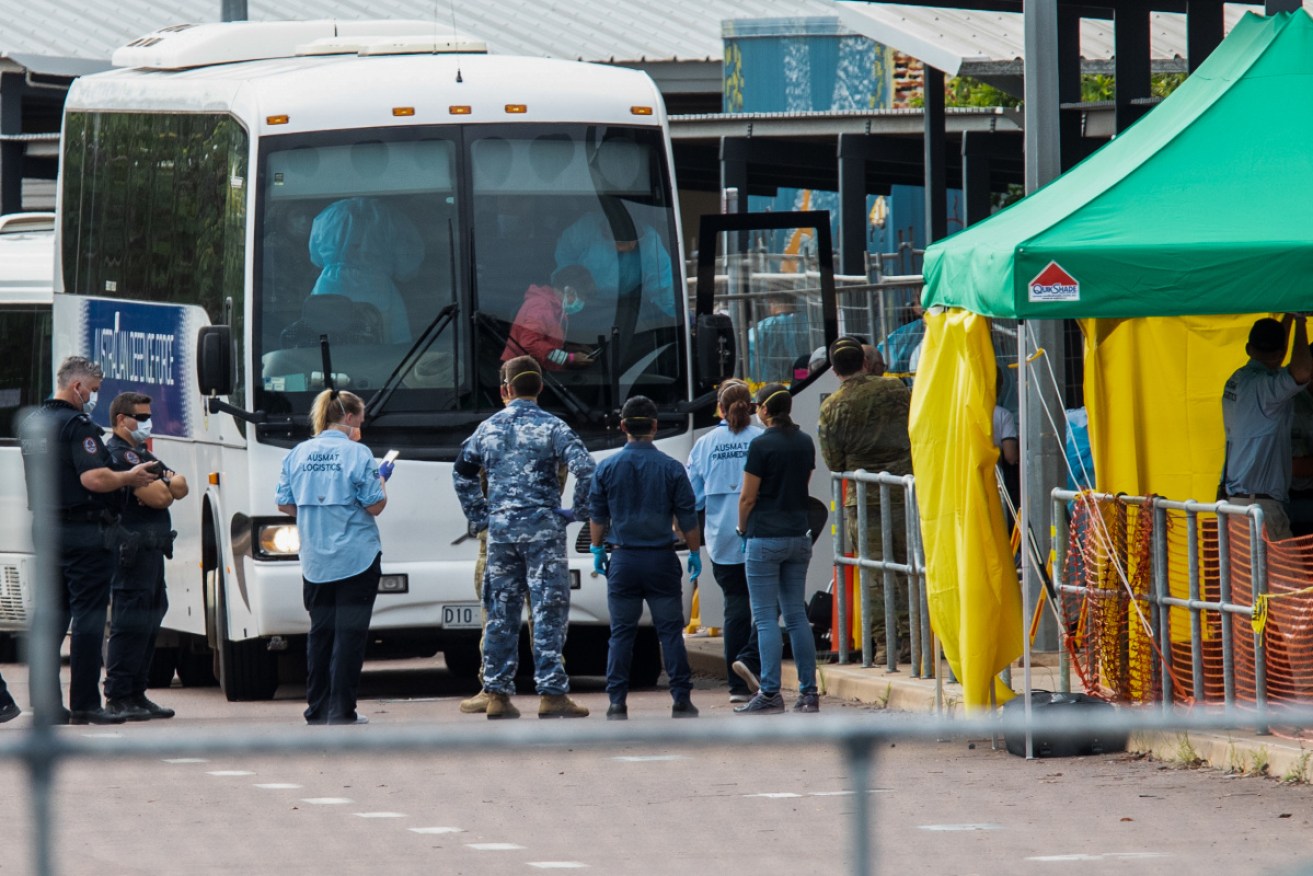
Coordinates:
[89,404]
[142,432]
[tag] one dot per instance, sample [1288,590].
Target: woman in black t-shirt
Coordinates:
[773,520]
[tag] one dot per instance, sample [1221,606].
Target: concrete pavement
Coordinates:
[1240,751]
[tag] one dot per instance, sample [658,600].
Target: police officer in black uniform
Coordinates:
[62,447]
[139,602]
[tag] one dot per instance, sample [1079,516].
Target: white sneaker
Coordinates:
[740,697]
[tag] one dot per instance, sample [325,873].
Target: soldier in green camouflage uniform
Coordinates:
[864,426]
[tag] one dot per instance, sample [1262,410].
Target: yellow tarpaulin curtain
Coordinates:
[971,582]
[1153,390]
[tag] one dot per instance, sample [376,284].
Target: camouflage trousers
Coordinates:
[874,579]
[515,569]
[480,566]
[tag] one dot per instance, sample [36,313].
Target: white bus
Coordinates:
[246,209]
[27,256]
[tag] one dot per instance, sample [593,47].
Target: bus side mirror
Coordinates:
[715,348]
[214,360]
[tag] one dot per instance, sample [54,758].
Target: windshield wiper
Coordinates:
[425,340]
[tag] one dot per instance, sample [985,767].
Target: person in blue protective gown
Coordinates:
[364,246]
[629,266]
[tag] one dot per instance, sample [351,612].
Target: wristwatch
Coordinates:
[740,532]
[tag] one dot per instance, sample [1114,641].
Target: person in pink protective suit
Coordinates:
[363,246]
[540,327]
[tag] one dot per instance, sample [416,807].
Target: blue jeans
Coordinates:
[777,582]
[633,577]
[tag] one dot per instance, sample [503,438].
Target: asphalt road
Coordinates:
[950,807]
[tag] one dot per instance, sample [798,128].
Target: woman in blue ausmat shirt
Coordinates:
[334,489]
[715,467]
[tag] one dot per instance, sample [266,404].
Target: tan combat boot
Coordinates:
[500,706]
[560,706]
[475,705]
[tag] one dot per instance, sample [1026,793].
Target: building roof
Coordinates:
[681,36]
[974,43]
[611,31]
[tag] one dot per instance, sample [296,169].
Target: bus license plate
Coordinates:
[462,616]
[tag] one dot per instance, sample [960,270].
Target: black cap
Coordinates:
[1267,336]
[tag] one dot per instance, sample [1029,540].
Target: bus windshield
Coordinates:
[560,251]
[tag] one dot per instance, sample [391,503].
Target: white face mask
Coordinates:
[142,432]
[90,404]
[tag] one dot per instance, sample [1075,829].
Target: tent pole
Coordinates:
[1023,518]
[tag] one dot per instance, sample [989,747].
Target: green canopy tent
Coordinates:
[1203,207]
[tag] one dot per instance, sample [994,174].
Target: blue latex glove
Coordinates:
[566,514]
[694,565]
[600,562]
[385,470]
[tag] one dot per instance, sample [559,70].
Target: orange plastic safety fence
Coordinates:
[1109,547]
[1109,642]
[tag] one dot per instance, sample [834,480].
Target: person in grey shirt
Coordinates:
[1257,408]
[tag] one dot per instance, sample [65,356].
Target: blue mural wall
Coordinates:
[783,65]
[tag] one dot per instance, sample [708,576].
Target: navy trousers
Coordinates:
[335,649]
[137,611]
[635,577]
[86,568]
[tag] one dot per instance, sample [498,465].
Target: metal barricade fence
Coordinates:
[888,566]
[1103,591]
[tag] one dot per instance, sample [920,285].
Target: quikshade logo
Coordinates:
[1054,284]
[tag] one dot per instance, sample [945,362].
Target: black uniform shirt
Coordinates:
[62,436]
[783,457]
[136,516]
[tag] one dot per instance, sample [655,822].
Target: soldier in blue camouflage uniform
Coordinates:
[520,449]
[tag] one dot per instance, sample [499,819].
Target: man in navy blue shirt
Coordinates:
[640,491]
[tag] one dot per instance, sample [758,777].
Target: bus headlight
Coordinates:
[277,541]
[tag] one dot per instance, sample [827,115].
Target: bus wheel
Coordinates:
[163,663]
[247,670]
[463,659]
[646,668]
[195,664]
[585,649]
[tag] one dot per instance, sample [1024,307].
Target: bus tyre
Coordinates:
[163,664]
[195,664]
[463,660]
[247,670]
[585,649]
[646,667]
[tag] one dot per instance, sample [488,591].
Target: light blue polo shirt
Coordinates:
[331,480]
[715,468]
[1257,409]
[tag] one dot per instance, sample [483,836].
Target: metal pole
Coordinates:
[1196,614]
[1224,597]
[234,10]
[1258,560]
[1161,608]
[1061,526]
[892,645]
[861,756]
[1023,521]
[43,657]
[843,593]
[1042,466]
[863,574]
